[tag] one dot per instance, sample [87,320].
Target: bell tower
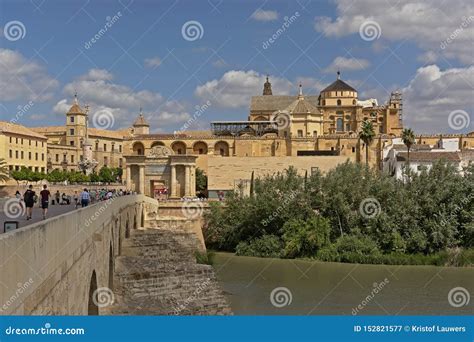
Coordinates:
[75,124]
[267,88]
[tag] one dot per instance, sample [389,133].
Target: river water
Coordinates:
[303,287]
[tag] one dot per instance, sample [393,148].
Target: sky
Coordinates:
[187,63]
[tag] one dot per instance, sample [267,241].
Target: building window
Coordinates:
[96,146]
[42,169]
[105,147]
[22,141]
[22,155]
[11,154]
[353,150]
[29,155]
[338,102]
[16,154]
[16,140]
[29,142]
[71,131]
[42,156]
[300,133]
[57,158]
[71,142]
[106,161]
[72,159]
[10,140]
[36,156]
[120,162]
[71,119]
[339,125]
[324,102]
[120,148]
[36,144]
[348,127]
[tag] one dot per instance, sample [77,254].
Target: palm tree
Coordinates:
[367,135]
[408,138]
[4,173]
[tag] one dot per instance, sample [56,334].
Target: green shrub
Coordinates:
[267,246]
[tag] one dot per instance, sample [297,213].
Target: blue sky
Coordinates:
[143,59]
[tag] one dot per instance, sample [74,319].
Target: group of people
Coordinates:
[83,199]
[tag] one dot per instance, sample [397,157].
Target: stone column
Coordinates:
[129,177]
[187,178]
[193,181]
[142,179]
[173,181]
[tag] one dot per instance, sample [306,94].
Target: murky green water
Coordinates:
[337,289]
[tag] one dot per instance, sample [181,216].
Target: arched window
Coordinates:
[179,147]
[339,102]
[221,148]
[200,147]
[339,125]
[138,149]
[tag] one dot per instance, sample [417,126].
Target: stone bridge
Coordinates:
[114,257]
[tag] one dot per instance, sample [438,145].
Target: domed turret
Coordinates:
[141,126]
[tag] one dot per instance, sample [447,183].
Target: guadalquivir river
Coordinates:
[318,288]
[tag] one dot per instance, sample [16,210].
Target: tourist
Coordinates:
[85,198]
[20,200]
[76,199]
[45,195]
[57,195]
[29,198]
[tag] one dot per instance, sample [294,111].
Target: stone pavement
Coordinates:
[6,213]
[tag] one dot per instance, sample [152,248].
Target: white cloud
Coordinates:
[428,57]
[21,79]
[433,93]
[96,89]
[427,23]
[97,74]
[235,88]
[262,15]
[343,63]
[153,62]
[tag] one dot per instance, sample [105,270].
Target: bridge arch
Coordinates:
[93,309]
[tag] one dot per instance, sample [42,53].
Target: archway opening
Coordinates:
[179,147]
[127,230]
[138,149]
[221,148]
[93,309]
[200,148]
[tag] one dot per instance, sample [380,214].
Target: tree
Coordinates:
[251,184]
[408,138]
[367,135]
[201,180]
[106,175]
[4,173]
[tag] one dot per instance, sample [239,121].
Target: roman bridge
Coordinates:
[115,257]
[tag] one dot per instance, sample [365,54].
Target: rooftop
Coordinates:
[11,128]
[428,156]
